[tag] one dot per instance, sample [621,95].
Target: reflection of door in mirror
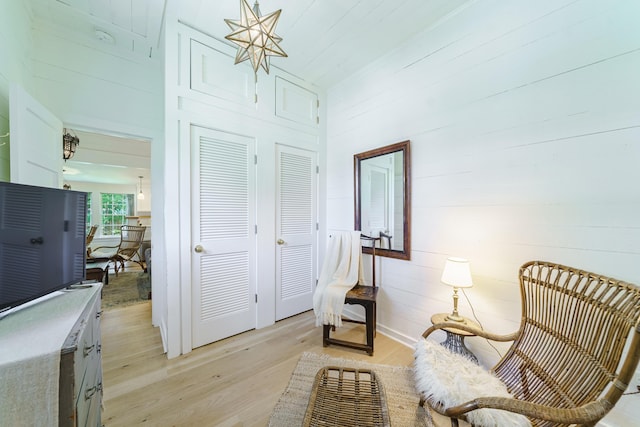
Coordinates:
[381,196]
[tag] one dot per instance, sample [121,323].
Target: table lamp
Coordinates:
[456,273]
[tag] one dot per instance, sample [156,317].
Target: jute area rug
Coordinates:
[397,381]
[130,287]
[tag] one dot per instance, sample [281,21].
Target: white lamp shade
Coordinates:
[456,273]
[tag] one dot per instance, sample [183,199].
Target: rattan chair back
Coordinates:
[91,234]
[131,237]
[579,340]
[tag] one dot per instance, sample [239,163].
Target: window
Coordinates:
[115,210]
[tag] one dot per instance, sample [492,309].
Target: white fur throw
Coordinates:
[452,379]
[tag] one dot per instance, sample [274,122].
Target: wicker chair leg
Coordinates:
[454,422]
[116,266]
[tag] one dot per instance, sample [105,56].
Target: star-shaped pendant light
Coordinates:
[255,35]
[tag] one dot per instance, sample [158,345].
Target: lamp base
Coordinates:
[455,344]
[455,318]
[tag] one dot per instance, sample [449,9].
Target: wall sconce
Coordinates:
[140,194]
[69,145]
[457,274]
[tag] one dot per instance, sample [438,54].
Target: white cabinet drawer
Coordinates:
[81,370]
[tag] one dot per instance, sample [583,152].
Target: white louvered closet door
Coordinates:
[223,235]
[296,219]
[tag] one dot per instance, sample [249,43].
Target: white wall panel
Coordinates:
[213,73]
[296,103]
[524,122]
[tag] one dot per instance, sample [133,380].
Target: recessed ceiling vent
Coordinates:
[105,37]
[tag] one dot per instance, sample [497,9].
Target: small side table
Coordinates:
[455,337]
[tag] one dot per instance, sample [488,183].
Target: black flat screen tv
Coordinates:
[42,241]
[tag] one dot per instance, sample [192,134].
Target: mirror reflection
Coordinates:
[382,199]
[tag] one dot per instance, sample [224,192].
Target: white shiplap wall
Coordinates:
[105,89]
[15,43]
[524,122]
[110,92]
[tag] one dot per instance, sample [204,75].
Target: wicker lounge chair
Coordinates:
[574,355]
[131,237]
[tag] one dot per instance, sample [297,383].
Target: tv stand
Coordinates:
[51,361]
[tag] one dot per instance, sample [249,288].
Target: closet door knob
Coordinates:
[199,249]
[280,242]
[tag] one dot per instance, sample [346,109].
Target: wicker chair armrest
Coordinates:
[472,329]
[585,414]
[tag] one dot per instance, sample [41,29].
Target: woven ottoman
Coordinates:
[346,397]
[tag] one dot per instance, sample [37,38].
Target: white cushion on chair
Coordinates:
[104,252]
[452,379]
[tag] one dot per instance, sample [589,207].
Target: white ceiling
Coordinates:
[109,159]
[326,40]
[135,25]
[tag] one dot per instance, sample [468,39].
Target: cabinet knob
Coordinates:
[280,242]
[199,249]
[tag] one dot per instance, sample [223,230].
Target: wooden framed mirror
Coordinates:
[382,190]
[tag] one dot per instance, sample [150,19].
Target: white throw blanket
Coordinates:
[341,270]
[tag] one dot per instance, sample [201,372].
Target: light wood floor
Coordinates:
[234,382]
